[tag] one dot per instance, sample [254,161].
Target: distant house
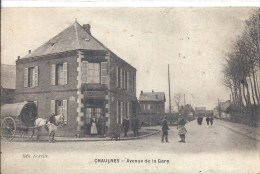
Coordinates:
[223,110]
[152,107]
[7,83]
[203,111]
[75,75]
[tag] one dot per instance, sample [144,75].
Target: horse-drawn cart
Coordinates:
[18,120]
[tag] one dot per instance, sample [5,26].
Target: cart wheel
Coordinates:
[8,128]
[28,134]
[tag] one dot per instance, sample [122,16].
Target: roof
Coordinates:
[152,96]
[75,37]
[224,106]
[8,73]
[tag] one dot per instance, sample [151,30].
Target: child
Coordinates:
[182,129]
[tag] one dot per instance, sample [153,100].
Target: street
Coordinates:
[213,149]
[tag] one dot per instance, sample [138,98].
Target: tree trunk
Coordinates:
[252,91]
[255,88]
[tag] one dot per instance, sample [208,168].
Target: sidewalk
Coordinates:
[144,132]
[250,132]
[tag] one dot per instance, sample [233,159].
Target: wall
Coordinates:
[45,92]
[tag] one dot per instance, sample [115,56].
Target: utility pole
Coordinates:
[184,100]
[169,84]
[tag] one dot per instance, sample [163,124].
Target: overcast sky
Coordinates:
[192,40]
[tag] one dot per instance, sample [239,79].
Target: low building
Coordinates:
[74,74]
[7,83]
[152,107]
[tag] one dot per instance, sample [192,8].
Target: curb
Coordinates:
[105,139]
[240,132]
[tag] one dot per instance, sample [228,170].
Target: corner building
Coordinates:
[76,75]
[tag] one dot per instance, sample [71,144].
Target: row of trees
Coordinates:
[241,70]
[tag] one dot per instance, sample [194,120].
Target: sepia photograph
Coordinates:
[130,90]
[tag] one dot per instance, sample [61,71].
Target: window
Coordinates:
[59,107]
[93,73]
[59,74]
[31,76]
[134,83]
[148,106]
[92,112]
[119,112]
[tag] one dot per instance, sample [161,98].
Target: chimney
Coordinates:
[87,28]
[142,92]
[18,57]
[152,90]
[29,51]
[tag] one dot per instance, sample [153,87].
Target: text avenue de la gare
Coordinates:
[132,161]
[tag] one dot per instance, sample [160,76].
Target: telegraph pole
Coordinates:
[169,85]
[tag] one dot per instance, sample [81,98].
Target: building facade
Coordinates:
[7,83]
[152,107]
[76,75]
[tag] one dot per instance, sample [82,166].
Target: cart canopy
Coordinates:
[26,111]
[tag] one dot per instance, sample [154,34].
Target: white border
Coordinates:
[128,3]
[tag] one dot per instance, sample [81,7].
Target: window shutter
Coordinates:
[104,73]
[117,76]
[121,77]
[65,111]
[53,107]
[36,76]
[84,71]
[127,80]
[65,73]
[36,103]
[53,74]
[117,111]
[122,111]
[25,77]
[128,109]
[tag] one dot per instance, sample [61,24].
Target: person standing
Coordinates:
[207,120]
[211,121]
[135,125]
[181,129]
[93,124]
[165,129]
[126,125]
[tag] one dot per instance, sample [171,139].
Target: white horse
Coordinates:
[49,125]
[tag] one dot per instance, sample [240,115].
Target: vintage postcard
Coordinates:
[130,90]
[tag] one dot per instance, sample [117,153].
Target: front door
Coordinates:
[95,114]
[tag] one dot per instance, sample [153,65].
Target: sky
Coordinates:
[193,41]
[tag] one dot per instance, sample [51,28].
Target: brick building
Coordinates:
[152,107]
[76,75]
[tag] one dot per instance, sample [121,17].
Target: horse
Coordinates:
[50,124]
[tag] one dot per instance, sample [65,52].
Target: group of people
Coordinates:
[134,124]
[180,126]
[209,120]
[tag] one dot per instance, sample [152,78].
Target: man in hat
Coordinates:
[165,129]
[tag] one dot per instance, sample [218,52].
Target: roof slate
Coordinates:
[8,73]
[72,38]
[151,96]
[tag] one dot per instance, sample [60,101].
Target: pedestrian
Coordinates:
[93,129]
[165,129]
[181,129]
[207,120]
[126,125]
[211,121]
[135,125]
